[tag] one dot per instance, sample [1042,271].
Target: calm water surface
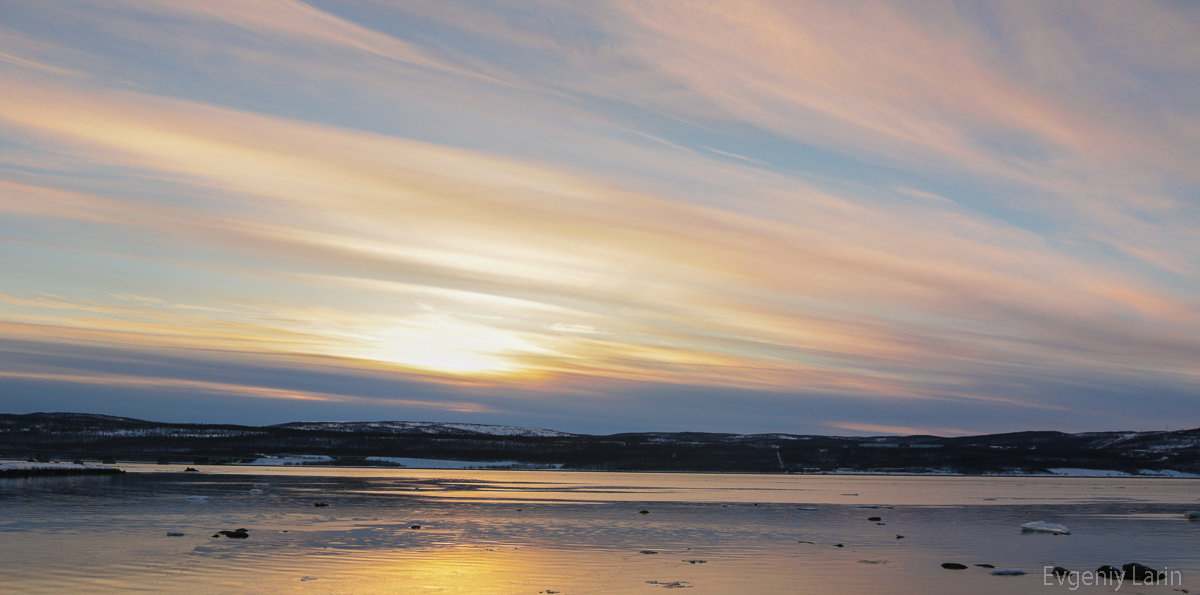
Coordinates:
[570,532]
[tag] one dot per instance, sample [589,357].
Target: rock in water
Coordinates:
[1107,571]
[1044,527]
[1008,572]
[1060,572]
[953,566]
[643,512]
[1142,573]
[174,533]
[235,534]
[1192,515]
[874,518]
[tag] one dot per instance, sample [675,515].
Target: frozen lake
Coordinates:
[575,532]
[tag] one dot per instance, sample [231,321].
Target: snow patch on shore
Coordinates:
[27,466]
[1077,472]
[286,460]
[415,463]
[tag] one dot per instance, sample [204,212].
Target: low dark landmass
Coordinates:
[56,471]
[46,436]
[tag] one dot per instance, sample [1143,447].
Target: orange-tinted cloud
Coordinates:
[629,200]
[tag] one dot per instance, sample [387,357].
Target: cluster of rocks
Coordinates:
[671,584]
[1132,571]
[239,533]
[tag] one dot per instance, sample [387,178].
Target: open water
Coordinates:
[576,532]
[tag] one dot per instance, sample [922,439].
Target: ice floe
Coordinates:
[1045,527]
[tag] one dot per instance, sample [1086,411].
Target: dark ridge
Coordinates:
[69,436]
[26,473]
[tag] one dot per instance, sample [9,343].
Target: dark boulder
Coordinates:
[1142,573]
[953,566]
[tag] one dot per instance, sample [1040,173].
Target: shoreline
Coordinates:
[1099,473]
[24,469]
[20,469]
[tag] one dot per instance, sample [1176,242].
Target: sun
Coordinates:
[442,344]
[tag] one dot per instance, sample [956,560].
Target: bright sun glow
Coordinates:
[439,343]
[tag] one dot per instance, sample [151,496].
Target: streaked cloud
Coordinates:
[901,430]
[936,205]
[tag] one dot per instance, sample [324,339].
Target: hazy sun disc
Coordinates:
[438,343]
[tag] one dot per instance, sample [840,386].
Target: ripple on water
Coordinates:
[573,532]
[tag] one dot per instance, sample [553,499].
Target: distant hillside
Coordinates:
[418,427]
[81,435]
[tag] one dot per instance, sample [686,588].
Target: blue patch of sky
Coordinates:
[848,176]
[224,83]
[88,263]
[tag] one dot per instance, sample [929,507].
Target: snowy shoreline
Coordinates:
[422,463]
[30,469]
[1053,472]
[9,469]
[398,463]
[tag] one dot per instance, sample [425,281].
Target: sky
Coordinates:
[746,216]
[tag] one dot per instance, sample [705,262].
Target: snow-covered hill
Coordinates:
[74,435]
[421,427]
